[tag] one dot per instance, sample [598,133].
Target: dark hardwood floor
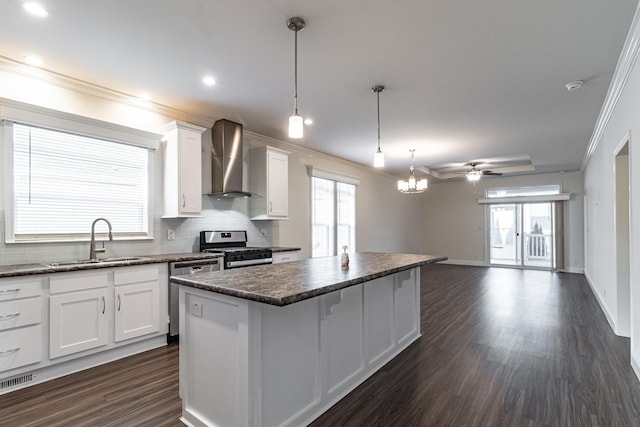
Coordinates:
[500,347]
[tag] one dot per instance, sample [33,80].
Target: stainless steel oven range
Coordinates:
[233,244]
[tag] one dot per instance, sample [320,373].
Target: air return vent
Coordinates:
[16,381]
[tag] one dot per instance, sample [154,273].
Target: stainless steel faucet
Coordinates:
[92,245]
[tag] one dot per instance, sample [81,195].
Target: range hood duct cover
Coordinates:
[226,156]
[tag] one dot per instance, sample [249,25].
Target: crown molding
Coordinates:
[626,61]
[87,88]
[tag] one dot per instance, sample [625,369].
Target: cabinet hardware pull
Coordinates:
[6,291]
[184,200]
[118,302]
[104,305]
[270,206]
[11,350]
[9,316]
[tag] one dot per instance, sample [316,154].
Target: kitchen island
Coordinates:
[277,345]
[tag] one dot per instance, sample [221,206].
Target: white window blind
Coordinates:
[63,181]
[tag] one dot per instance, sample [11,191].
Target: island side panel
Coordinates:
[407,306]
[214,359]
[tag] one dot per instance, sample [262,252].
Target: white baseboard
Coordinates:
[574,270]
[602,304]
[464,262]
[635,365]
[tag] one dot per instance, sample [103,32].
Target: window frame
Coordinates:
[15,112]
[336,178]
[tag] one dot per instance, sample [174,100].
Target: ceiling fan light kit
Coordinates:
[412,186]
[296,122]
[378,157]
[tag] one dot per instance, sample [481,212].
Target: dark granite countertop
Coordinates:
[287,283]
[283,249]
[44,268]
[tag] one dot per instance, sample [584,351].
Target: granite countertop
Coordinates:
[44,268]
[283,249]
[287,283]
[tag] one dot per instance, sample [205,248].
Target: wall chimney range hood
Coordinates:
[227,164]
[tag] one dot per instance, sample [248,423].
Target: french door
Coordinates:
[522,235]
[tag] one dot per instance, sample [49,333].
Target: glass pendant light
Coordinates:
[411,185]
[296,123]
[378,157]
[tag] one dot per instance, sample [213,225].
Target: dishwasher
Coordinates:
[183,268]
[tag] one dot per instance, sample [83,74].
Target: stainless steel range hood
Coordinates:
[226,156]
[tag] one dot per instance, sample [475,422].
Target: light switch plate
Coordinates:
[171,234]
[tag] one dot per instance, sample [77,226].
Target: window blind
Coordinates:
[63,181]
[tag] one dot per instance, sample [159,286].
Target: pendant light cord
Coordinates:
[378,95]
[295,74]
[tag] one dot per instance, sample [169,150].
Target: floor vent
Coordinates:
[16,381]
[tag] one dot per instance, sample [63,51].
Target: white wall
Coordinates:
[600,185]
[384,218]
[455,224]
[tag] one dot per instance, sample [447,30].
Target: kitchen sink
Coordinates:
[82,262]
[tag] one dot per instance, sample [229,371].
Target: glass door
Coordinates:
[521,235]
[504,235]
[537,222]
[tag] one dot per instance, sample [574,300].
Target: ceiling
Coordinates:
[464,79]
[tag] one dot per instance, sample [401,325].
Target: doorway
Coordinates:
[522,235]
[623,268]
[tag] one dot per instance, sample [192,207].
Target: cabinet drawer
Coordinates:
[280,257]
[78,281]
[20,347]
[20,313]
[135,274]
[13,288]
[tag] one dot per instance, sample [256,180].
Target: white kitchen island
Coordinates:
[278,345]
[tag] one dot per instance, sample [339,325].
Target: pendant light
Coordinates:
[411,185]
[378,157]
[296,123]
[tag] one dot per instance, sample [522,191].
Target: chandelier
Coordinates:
[411,185]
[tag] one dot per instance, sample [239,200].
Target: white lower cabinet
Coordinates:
[78,321]
[21,332]
[137,310]
[286,256]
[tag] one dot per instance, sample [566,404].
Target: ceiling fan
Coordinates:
[474,174]
[477,168]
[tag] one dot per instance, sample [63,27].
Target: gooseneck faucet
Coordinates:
[92,245]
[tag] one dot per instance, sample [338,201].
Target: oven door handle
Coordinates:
[248,262]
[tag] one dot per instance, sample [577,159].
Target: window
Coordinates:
[62,181]
[334,216]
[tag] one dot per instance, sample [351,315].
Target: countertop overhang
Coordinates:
[291,282]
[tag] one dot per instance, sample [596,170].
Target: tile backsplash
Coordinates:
[232,214]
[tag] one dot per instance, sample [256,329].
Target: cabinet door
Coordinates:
[343,312]
[190,172]
[137,310]
[278,184]
[407,305]
[78,321]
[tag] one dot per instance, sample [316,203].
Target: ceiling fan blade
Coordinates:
[491,173]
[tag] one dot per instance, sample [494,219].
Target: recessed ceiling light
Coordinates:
[209,81]
[35,9]
[32,60]
[571,86]
[308,121]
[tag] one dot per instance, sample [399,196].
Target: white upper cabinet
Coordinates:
[182,163]
[270,180]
